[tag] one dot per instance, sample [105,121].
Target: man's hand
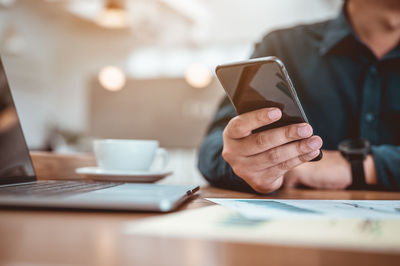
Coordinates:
[331,172]
[261,159]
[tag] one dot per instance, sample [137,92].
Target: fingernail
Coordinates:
[314,143]
[304,131]
[274,114]
[313,153]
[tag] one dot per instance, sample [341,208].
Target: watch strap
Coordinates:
[357,172]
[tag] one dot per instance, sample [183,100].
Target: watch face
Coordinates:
[357,146]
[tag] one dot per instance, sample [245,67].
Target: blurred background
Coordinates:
[84,69]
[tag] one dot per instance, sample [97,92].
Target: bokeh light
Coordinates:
[198,75]
[112,78]
[113,18]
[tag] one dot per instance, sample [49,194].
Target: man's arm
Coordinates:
[334,171]
[211,164]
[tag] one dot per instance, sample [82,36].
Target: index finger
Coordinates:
[242,125]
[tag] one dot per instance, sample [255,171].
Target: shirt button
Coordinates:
[373,70]
[369,117]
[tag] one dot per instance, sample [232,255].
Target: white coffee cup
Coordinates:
[128,155]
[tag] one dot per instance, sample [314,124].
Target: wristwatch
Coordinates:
[355,151]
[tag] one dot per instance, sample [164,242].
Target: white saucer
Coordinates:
[96,173]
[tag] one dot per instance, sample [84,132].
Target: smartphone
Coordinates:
[259,83]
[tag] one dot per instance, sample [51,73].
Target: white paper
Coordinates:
[261,209]
[219,223]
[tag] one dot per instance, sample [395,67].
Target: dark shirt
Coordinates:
[345,90]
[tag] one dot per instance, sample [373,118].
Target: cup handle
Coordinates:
[163,153]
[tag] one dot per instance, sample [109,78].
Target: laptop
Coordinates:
[19,186]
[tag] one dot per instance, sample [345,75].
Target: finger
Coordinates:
[282,168]
[283,153]
[242,125]
[268,139]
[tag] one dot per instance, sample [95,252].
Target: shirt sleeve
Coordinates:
[211,163]
[387,164]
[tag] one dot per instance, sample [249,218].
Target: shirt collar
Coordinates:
[394,54]
[336,30]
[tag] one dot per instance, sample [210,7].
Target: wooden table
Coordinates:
[94,238]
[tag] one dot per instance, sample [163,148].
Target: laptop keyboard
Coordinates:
[54,188]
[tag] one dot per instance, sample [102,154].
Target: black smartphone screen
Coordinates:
[256,85]
[262,83]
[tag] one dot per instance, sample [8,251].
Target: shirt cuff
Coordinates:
[387,161]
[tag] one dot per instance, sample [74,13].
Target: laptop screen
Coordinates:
[15,162]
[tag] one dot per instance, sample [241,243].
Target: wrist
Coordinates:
[345,167]
[370,171]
